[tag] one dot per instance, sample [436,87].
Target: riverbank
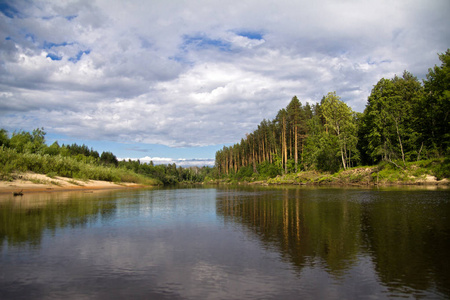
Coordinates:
[360,176]
[357,176]
[32,182]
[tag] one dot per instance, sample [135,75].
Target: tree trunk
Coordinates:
[285,145]
[290,143]
[418,156]
[343,158]
[295,149]
[400,142]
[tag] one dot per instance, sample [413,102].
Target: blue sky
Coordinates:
[174,81]
[157,153]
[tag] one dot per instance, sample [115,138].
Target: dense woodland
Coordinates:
[404,120]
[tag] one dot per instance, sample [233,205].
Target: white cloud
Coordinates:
[200,72]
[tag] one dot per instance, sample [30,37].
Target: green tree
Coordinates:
[409,92]
[26,142]
[282,121]
[339,119]
[294,111]
[389,119]
[435,107]
[321,148]
[4,139]
[108,158]
[53,149]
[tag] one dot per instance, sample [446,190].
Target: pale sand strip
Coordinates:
[30,182]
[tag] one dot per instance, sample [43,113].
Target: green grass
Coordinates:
[383,173]
[12,161]
[74,182]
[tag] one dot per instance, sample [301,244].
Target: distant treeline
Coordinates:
[28,151]
[404,120]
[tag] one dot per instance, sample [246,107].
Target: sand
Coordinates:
[31,182]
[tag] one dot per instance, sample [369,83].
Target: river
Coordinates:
[227,243]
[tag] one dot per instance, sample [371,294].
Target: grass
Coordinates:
[43,181]
[74,182]
[12,161]
[51,174]
[385,174]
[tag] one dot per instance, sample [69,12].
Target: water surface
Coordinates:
[226,243]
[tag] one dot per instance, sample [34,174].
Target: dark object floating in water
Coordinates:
[18,193]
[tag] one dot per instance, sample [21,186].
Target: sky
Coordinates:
[174,81]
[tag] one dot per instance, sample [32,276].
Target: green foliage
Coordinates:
[169,174]
[28,152]
[442,169]
[322,149]
[4,139]
[389,125]
[26,142]
[108,158]
[53,149]
[244,173]
[52,174]
[268,170]
[63,166]
[84,150]
[435,108]
[403,122]
[328,154]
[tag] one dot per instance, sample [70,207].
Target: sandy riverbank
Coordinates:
[30,182]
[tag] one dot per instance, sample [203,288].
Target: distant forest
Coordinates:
[404,120]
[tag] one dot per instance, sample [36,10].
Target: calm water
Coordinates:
[226,243]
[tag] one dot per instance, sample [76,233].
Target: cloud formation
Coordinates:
[197,73]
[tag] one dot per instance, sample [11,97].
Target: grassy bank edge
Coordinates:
[427,172]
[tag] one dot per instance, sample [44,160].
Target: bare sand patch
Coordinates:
[31,182]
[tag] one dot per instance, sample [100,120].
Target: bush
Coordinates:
[268,170]
[441,169]
[244,172]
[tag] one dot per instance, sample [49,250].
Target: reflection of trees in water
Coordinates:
[24,221]
[409,239]
[305,231]
[406,234]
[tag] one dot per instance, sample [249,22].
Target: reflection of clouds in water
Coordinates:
[145,258]
[207,274]
[221,283]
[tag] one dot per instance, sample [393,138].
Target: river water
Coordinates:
[226,243]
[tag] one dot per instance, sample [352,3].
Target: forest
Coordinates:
[404,121]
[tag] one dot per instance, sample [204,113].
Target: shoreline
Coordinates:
[39,183]
[363,176]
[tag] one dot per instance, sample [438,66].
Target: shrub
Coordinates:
[441,169]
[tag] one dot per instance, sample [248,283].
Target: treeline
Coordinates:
[404,120]
[34,142]
[170,173]
[28,151]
